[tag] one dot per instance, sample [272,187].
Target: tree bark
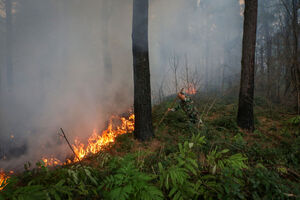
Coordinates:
[9,64]
[269,67]
[142,90]
[295,66]
[106,15]
[268,46]
[245,118]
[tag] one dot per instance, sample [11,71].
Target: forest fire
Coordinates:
[191,90]
[96,142]
[3,179]
[51,161]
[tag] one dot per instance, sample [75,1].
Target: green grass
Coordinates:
[218,161]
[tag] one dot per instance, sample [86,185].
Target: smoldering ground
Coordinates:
[62,55]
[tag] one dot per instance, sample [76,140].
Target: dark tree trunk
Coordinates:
[106,13]
[295,66]
[245,117]
[287,75]
[269,67]
[268,46]
[9,64]
[142,90]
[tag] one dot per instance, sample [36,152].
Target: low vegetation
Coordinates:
[217,161]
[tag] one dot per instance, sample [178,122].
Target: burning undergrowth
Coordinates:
[98,141]
[117,125]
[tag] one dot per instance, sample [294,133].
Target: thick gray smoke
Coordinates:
[62,53]
[202,35]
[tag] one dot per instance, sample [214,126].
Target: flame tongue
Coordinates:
[3,180]
[51,161]
[191,90]
[97,142]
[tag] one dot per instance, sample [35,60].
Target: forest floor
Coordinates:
[216,161]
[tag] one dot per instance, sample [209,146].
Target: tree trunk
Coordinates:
[295,66]
[106,14]
[9,64]
[142,90]
[268,46]
[245,118]
[287,75]
[206,68]
[269,69]
[222,80]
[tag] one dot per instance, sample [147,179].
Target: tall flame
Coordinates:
[191,90]
[96,143]
[3,179]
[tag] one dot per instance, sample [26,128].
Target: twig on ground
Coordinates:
[64,135]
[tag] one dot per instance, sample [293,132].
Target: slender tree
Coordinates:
[141,72]
[9,64]
[105,16]
[245,117]
[295,63]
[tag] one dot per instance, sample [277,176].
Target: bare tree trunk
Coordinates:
[9,64]
[142,90]
[245,118]
[186,66]
[278,71]
[295,66]
[206,67]
[287,44]
[174,65]
[269,70]
[222,82]
[106,13]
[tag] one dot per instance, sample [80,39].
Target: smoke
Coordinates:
[205,35]
[60,77]
[61,56]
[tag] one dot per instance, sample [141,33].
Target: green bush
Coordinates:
[265,184]
[225,122]
[127,182]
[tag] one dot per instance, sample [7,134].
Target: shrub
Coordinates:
[227,122]
[127,182]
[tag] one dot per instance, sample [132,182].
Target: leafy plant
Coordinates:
[226,122]
[294,121]
[218,160]
[127,182]
[176,179]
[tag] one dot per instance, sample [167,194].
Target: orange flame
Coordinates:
[51,161]
[97,142]
[191,90]
[3,179]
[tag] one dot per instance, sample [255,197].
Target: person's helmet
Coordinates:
[181,95]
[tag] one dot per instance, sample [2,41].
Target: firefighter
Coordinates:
[187,105]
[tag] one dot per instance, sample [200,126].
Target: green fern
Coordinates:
[176,179]
[127,182]
[294,121]
[218,160]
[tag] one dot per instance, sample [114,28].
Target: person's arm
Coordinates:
[174,109]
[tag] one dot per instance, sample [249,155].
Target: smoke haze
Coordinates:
[62,53]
